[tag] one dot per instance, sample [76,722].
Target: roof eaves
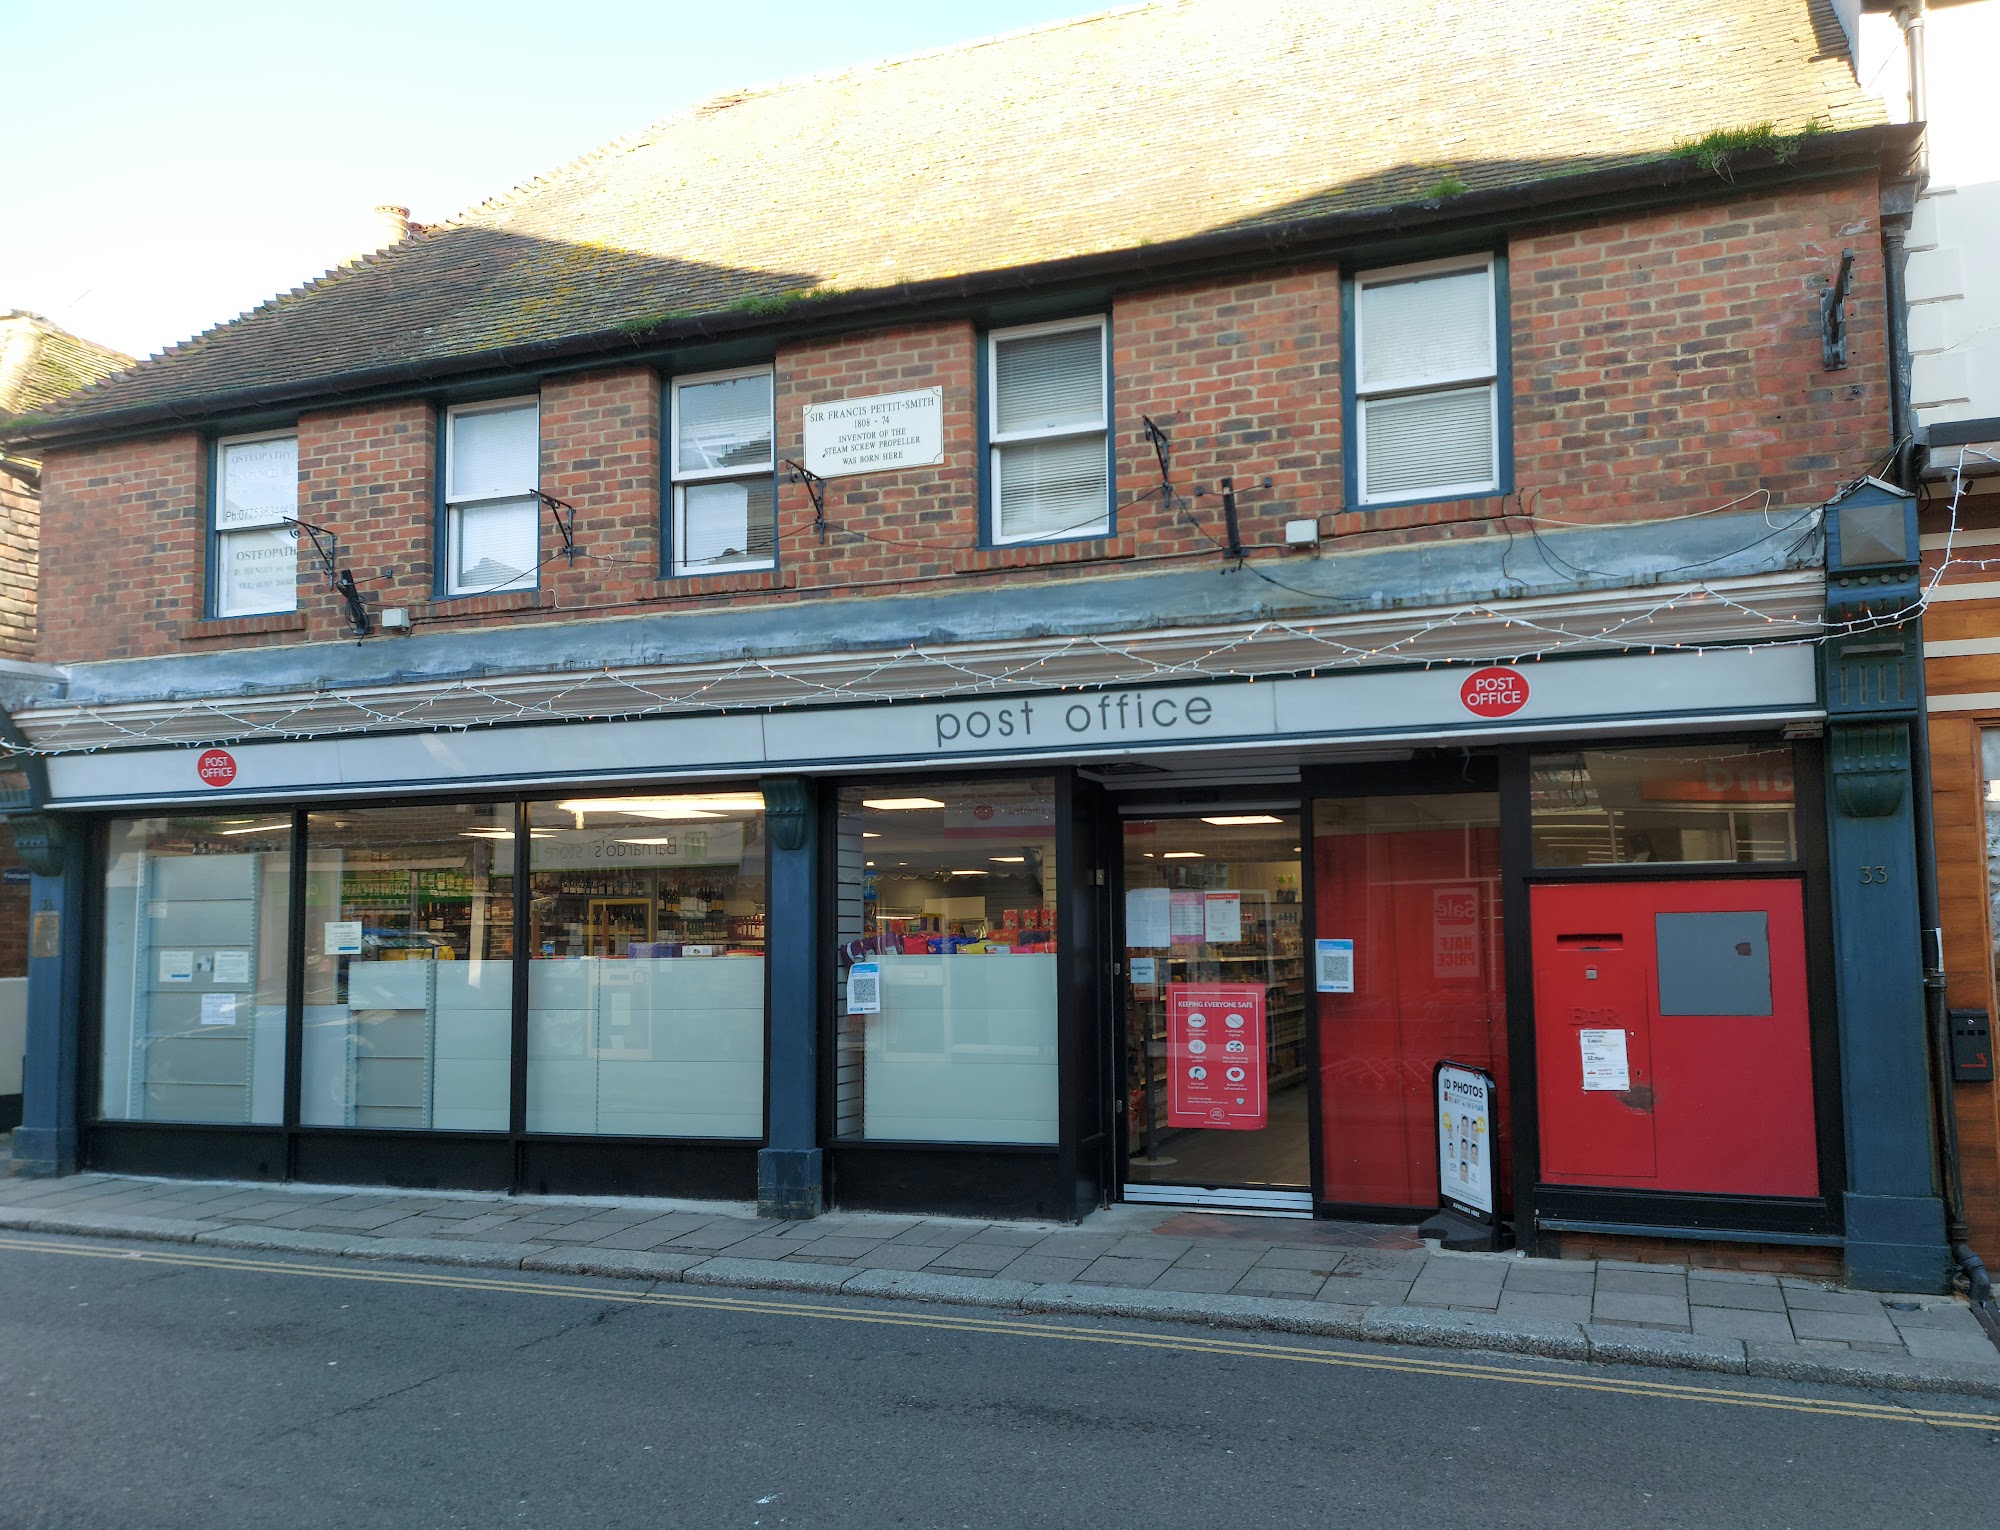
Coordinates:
[1887,148]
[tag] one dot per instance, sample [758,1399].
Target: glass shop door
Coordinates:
[1215,1064]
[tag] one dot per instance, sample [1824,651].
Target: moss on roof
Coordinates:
[1134,128]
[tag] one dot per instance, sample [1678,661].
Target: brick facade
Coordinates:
[1662,364]
[20,526]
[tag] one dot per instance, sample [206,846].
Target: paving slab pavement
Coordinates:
[1351,1280]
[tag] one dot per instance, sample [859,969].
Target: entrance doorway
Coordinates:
[1215,1065]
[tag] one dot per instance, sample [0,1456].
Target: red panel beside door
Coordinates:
[1716,1103]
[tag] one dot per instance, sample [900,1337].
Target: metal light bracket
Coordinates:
[1833,317]
[325,546]
[564,515]
[798,472]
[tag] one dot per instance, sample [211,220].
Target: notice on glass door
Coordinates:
[1188,918]
[1222,917]
[1148,918]
[1604,1063]
[1215,1056]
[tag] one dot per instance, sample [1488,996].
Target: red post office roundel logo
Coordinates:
[1494,692]
[216,767]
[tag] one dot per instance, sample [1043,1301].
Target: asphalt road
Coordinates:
[151,1386]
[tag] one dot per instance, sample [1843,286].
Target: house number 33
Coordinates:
[1871,874]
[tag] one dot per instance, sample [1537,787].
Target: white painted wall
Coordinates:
[1954,272]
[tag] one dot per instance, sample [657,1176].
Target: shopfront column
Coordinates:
[45,1143]
[791,1169]
[1894,1216]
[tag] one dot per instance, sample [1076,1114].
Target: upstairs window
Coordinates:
[725,508]
[1426,373]
[1048,402]
[256,558]
[492,516]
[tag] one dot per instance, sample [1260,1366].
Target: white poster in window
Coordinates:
[256,573]
[864,988]
[232,967]
[1333,966]
[177,966]
[260,483]
[1604,1063]
[1148,916]
[1222,916]
[1187,920]
[1145,969]
[343,937]
[875,435]
[218,1009]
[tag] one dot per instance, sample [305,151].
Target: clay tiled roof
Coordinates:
[40,363]
[1143,126]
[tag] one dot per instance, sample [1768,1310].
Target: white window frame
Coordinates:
[677,537]
[1418,387]
[997,438]
[452,507]
[218,534]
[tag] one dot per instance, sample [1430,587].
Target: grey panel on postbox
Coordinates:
[1714,964]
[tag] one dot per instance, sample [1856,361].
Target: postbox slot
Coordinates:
[1590,942]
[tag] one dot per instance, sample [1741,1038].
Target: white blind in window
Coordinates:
[724,524]
[494,453]
[724,424]
[256,572]
[1049,382]
[496,547]
[1429,441]
[260,483]
[1051,488]
[1427,329]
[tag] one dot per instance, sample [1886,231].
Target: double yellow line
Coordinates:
[1025,1327]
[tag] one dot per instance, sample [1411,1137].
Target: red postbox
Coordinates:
[1672,1040]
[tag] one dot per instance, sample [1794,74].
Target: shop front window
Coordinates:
[409,981]
[1693,803]
[946,950]
[1406,895]
[195,920]
[646,979]
[195,937]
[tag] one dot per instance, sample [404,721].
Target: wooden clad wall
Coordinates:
[1964,613]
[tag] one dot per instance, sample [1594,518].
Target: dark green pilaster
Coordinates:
[1893,1214]
[791,1169]
[45,1143]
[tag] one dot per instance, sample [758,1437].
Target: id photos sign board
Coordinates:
[1465,1138]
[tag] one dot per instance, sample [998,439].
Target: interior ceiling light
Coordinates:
[977,872]
[1184,855]
[1231,820]
[869,834]
[1008,860]
[683,806]
[900,804]
[666,839]
[260,828]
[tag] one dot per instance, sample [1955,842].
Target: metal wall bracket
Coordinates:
[1833,317]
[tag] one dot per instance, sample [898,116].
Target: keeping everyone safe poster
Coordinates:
[1215,1056]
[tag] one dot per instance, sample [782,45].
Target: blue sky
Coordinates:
[175,163]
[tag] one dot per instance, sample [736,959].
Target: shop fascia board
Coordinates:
[1751,610]
[1366,584]
[1678,694]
